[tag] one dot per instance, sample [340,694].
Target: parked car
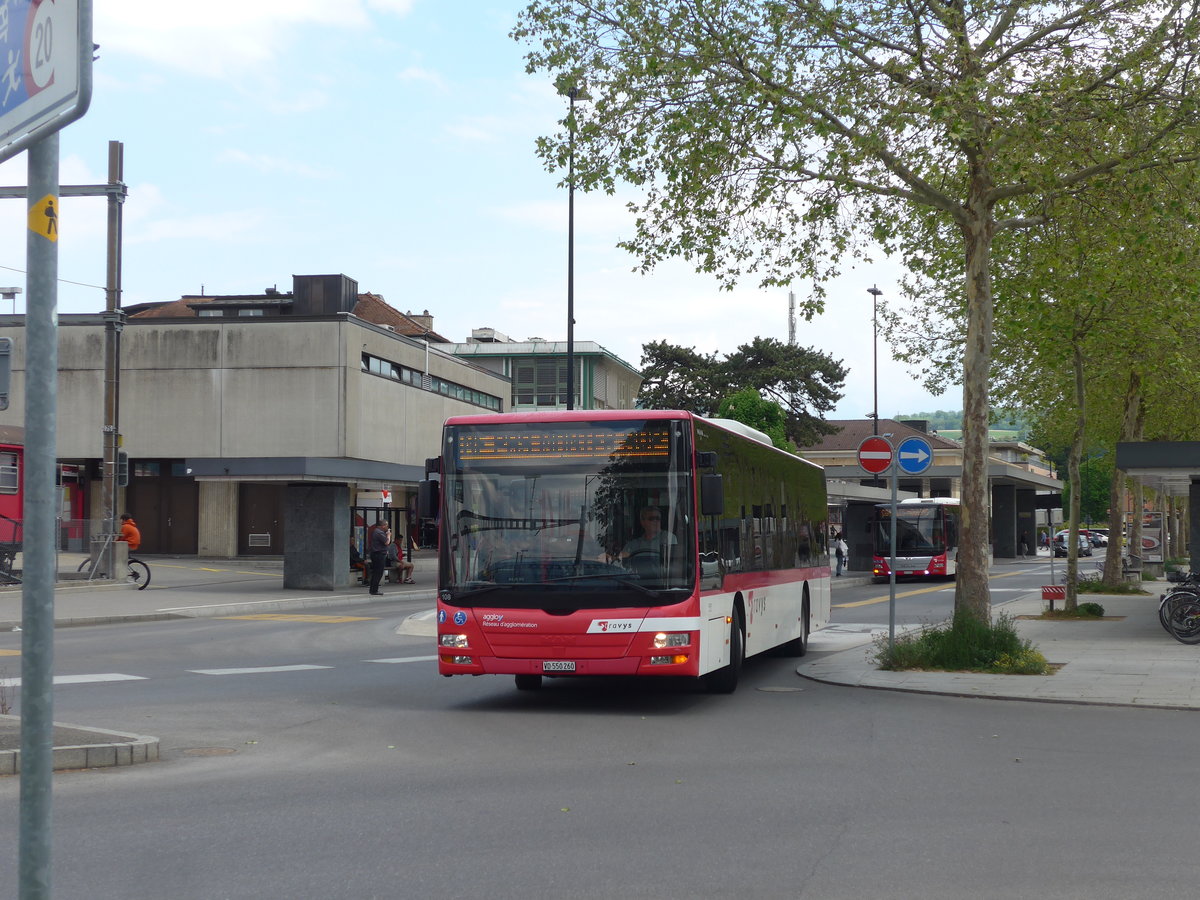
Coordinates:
[1060,544]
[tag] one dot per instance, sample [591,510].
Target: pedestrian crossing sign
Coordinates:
[43,217]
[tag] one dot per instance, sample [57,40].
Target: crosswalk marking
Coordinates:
[302,617]
[78,679]
[257,670]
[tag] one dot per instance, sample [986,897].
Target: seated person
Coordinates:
[653,539]
[399,569]
[357,563]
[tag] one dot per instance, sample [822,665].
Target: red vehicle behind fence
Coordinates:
[12,498]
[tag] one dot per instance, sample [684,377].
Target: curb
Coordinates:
[125,750]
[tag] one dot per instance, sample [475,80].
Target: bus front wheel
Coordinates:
[528,682]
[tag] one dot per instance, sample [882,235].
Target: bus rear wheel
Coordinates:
[528,682]
[725,681]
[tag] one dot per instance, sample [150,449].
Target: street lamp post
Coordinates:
[574,92]
[875,292]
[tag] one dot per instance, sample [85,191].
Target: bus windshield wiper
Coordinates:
[477,589]
[626,578]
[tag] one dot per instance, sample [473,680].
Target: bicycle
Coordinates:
[136,572]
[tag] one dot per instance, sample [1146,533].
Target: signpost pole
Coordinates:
[892,567]
[38,538]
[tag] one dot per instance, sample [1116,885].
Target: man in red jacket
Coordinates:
[129,532]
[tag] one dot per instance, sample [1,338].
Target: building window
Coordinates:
[250,312]
[543,382]
[9,473]
[396,372]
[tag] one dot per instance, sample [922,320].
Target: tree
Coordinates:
[802,381]
[748,407]
[768,136]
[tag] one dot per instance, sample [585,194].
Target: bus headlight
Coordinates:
[662,639]
[677,659]
[458,660]
[454,640]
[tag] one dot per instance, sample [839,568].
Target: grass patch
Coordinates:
[1099,587]
[1082,611]
[963,644]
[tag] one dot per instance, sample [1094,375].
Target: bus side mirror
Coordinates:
[712,495]
[433,465]
[427,499]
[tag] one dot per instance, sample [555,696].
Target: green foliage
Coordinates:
[1099,587]
[748,407]
[963,644]
[802,382]
[783,141]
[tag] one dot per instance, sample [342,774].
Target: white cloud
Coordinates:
[422,75]
[272,165]
[223,227]
[223,38]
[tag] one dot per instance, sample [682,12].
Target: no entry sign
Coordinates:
[875,455]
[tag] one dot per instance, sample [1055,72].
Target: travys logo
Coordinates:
[609,626]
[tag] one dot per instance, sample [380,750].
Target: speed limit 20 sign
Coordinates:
[45,68]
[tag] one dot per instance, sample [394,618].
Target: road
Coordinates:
[321,756]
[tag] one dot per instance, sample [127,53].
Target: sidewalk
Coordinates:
[1126,659]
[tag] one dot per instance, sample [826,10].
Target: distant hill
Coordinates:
[948,424]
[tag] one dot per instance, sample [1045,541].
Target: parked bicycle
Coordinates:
[136,572]
[1179,609]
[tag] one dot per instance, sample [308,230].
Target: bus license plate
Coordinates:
[550,665]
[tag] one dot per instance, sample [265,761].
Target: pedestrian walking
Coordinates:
[1024,545]
[841,550]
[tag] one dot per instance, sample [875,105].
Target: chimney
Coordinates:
[424,320]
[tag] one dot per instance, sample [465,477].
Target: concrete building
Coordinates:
[253,422]
[538,371]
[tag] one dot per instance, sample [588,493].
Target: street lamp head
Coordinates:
[571,86]
[874,292]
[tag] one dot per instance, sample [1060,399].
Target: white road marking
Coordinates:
[403,659]
[78,679]
[255,671]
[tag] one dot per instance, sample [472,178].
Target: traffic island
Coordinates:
[78,747]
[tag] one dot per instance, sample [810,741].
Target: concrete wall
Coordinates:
[317,556]
[249,387]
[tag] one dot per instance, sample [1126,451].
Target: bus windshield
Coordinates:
[919,531]
[595,514]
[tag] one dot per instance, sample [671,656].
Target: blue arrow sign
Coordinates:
[914,455]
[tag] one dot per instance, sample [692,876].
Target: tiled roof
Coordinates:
[374,309]
[370,308]
[852,432]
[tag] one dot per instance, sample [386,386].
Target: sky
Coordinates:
[391,141]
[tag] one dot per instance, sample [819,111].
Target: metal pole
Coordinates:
[38,538]
[114,321]
[571,251]
[874,291]
[892,567]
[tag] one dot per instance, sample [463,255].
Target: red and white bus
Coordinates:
[551,560]
[927,533]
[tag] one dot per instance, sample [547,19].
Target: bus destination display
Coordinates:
[477,445]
